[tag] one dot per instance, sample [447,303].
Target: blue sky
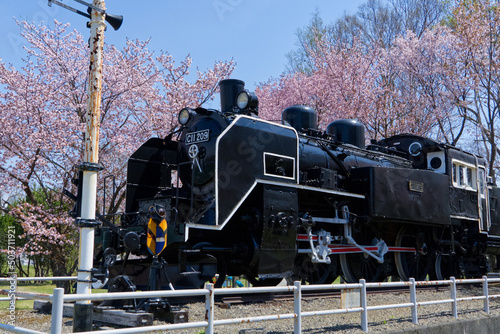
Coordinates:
[255,33]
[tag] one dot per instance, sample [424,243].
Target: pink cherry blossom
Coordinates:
[42,113]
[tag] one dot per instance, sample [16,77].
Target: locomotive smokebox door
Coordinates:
[279,233]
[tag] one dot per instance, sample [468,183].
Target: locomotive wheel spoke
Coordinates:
[315,273]
[412,264]
[360,265]
[356,266]
[445,267]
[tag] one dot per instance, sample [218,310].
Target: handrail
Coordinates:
[58,298]
[29,279]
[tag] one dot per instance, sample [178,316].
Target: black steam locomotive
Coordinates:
[229,193]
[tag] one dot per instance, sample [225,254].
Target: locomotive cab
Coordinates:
[424,153]
[466,172]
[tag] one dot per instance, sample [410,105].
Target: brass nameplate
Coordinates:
[416,186]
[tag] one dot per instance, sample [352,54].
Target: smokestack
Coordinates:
[229,90]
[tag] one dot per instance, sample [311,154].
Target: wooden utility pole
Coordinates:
[86,222]
[82,320]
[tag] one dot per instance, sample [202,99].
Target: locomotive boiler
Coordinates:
[228,193]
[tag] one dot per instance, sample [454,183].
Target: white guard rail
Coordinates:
[58,298]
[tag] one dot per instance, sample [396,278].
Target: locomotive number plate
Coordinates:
[416,186]
[197,137]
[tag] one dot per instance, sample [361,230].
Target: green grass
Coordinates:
[27,304]
[36,288]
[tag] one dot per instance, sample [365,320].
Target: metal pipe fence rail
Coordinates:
[58,298]
[16,279]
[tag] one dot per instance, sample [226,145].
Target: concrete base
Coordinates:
[485,325]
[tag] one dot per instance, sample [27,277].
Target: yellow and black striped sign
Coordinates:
[157,236]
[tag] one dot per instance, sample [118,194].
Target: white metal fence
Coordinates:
[58,298]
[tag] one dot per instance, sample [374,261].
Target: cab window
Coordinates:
[464,175]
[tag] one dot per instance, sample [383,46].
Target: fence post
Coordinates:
[364,305]
[209,308]
[486,295]
[297,308]
[413,300]
[57,311]
[453,287]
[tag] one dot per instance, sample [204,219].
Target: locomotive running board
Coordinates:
[276,183]
[309,188]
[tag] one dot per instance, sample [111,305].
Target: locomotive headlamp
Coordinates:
[185,115]
[242,100]
[157,210]
[161,211]
[247,100]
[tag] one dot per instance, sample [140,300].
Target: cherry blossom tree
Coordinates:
[422,84]
[406,88]
[341,86]
[376,22]
[42,112]
[49,237]
[476,25]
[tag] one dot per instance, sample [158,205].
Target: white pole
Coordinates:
[364,305]
[413,300]
[209,308]
[57,311]
[297,307]
[454,306]
[90,167]
[486,295]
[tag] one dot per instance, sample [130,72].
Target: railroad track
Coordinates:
[307,295]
